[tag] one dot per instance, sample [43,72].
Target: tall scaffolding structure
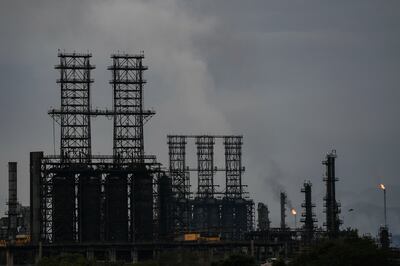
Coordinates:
[332,207]
[75,80]
[127,82]
[205,166]
[205,205]
[180,181]
[308,216]
[106,197]
[236,212]
[233,164]
[230,216]
[62,203]
[128,140]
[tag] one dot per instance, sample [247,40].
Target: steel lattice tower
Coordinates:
[332,209]
[233,164]
[205,165]
[75,80]
[180,181]
[84,197]
[177,166]
[129,117]
[128,141]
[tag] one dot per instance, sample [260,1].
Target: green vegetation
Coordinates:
[65,260]
[236,260]
[348,251]
[166,259]
[146,263]
[180,259]
[73,260]
[279,262]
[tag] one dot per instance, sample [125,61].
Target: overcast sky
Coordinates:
[296,78]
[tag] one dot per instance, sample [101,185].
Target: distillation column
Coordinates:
[332,209]
[308,215]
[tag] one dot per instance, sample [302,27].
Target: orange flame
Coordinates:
[294,212]
[382,186]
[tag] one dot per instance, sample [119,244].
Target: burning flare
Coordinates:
[382,186]
[294,212]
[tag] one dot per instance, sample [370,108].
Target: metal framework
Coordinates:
[75,80]
[128,171]
[233,164]
[177,166]
[127,82]
[75,143]
[128,177]
[101,165]
[332,207]
[263,217]
[205,166]
[180,182]
[206,169]
[231,216]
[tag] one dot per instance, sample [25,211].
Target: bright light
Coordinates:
[382,186]
[294,212]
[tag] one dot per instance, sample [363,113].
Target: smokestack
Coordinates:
[12,200]
[283,210]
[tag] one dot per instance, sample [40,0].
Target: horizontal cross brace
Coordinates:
[97,112]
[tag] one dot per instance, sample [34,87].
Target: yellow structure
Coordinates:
[21,240]
[191,237]
[198,237]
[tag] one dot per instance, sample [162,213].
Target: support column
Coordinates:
[112,255]
[134,255]
[38,256]
[9,258]
[90,254]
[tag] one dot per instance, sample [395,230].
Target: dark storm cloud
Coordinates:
[297,78]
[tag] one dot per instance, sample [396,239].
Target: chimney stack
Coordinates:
[12,200]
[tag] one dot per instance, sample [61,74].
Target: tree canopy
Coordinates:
[348,251]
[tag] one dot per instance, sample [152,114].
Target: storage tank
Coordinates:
[89,207]
[143,205]
[116,208]
[63,208]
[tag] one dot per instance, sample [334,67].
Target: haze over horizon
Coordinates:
[296,78]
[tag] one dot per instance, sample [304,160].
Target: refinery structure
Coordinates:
[126,205]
